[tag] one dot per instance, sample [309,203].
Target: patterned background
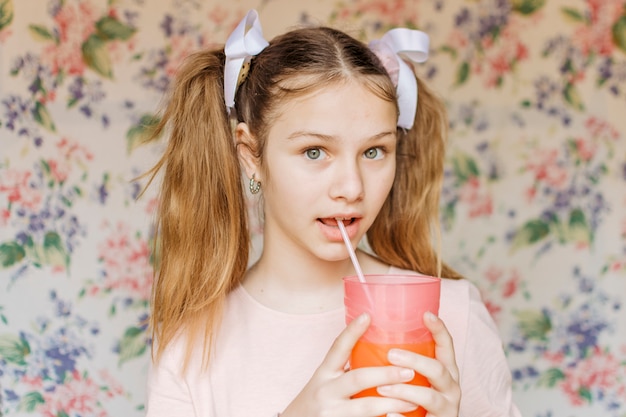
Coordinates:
[533,202]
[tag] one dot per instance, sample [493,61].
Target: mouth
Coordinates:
[332,221]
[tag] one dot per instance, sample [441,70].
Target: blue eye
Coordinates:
[374,153]
[313,153]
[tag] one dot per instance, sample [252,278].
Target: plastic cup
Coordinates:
[396,305]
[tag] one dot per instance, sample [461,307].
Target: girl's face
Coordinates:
[331,154]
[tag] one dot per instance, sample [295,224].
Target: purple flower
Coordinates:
[62,362]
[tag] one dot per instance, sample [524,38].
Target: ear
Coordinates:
[246,142]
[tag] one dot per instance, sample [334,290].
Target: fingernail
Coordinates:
[407,374]
[362,318]
[395,355]
[383,389]
[430,316]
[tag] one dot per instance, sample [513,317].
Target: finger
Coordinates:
[339,353]
[374,406]
[357,380]
[444,346]
[437,373]
[426,397]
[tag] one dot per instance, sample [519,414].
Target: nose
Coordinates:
[347,181]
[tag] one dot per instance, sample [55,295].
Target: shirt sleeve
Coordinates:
[485,376]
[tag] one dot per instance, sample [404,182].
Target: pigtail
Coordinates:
[403,232]
[202,235]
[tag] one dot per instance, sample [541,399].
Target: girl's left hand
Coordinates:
[443,398]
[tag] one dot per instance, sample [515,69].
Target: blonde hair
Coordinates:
[202,229]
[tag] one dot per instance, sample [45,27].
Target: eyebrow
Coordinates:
[329,138]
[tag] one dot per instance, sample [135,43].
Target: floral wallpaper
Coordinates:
[533,207]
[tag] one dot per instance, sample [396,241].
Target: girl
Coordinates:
[324,129]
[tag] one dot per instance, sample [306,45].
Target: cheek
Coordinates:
[380,185]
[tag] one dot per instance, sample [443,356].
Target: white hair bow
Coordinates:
[245,42]
[395,45]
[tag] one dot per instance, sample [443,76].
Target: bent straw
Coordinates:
[346,240]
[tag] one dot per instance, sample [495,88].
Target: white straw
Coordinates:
[346,240]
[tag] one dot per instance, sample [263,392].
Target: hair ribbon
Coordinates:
[245,42]
[395,46]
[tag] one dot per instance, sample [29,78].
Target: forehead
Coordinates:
[335,109]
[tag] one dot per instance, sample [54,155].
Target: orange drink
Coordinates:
[396,305]
[372,354]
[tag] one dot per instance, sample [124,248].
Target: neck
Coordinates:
[298,282]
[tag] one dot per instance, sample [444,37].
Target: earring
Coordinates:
[255,186]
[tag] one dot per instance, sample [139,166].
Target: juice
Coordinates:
[373,354]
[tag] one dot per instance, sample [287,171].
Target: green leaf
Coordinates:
[449,50]
[40,33]
[14,349]
[533,324]
[527,7]
[62,413]
[41,116]
[464,167]
[141,132]
[463,73]
[54,251]
[448,214]
[572,96]
[573,15]
[619,33]
[30,401]
[6,13]
[531,232]
[585,393]
[96,56]
[132,345]
[109,28]
[551,377]
[11,253]
[579,230]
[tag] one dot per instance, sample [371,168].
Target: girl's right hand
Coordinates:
[328,392]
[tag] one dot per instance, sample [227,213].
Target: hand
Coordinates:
[328,391]
[444,397]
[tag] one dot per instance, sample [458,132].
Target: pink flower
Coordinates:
[597,35]
[493,274]
[493,309]
[33,381]
[510,286]
[555,358]
[70,154]
[75,23]
[77,396]
[4,217]
[479,201]
[58,171]
[601,128]
[394,12]
[18,189]
[152,205]
[530,193]
[113,386]
[458,40]
[218,15]
[547,169]
[599,371]
[126,263]
[585,148]
[181,46]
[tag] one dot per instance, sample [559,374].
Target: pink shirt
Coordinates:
[263,358]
